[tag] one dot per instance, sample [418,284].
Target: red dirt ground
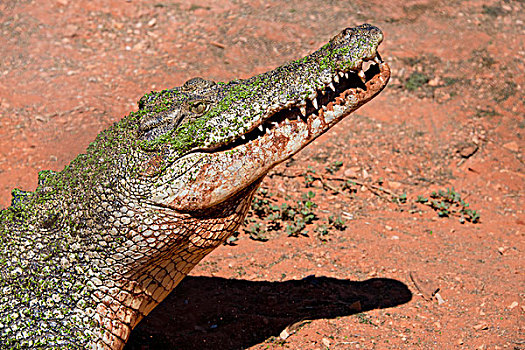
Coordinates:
[452,116]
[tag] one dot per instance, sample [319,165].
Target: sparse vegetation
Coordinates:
[416,80]
[489,112]
[337,222]
[294,217]
[502,93]
[334,167]
[493,11]
[449,203]
[364,318]
[267,216]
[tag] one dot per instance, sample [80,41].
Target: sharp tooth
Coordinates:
[314,103]
[329,116]
[361,74]
[323,92]
[336,79]
[260,127]
[346,75]
[275,124]
[243,137]
[377,60]
[298,118]
[331,86]
[303,110]
[366,65]
[341,74]
[286,121]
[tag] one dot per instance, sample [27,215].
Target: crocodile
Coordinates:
[98,245]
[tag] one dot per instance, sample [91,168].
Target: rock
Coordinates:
[481,326]
[152,22]
[512,146]
[71,30]
[326,342]
[284,334]
[434,81]
[439,299]
[394,185]
[351,172]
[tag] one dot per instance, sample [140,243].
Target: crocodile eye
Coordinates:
[198,107]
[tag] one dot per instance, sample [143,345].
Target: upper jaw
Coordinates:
[299,88]
[336,96]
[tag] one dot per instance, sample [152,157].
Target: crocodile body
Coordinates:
[99,244]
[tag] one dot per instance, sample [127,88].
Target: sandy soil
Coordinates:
[385,271]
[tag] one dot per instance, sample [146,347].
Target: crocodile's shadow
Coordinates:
[218,313]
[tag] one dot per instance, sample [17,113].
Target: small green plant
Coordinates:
[490,112]
[308,177]
[401,199]
[448,81]
[337,222]
[232,239]
[493,11]
[363,318]
[306,207]
[334,167]
[302,215]
[449,203]
[256,233]
[287,212]
[350,185]
[322,232]
[421,199]
[260,203]
[469,215]
[296,228]
[266,215]
[416,80]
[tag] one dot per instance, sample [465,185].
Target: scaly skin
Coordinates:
[98,245]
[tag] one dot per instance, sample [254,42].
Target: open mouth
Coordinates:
[333,101]
[262,121]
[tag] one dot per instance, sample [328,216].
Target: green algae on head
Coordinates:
[237,107]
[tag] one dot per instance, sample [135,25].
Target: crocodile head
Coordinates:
[219,139]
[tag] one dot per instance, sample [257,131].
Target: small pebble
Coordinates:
[152,22]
